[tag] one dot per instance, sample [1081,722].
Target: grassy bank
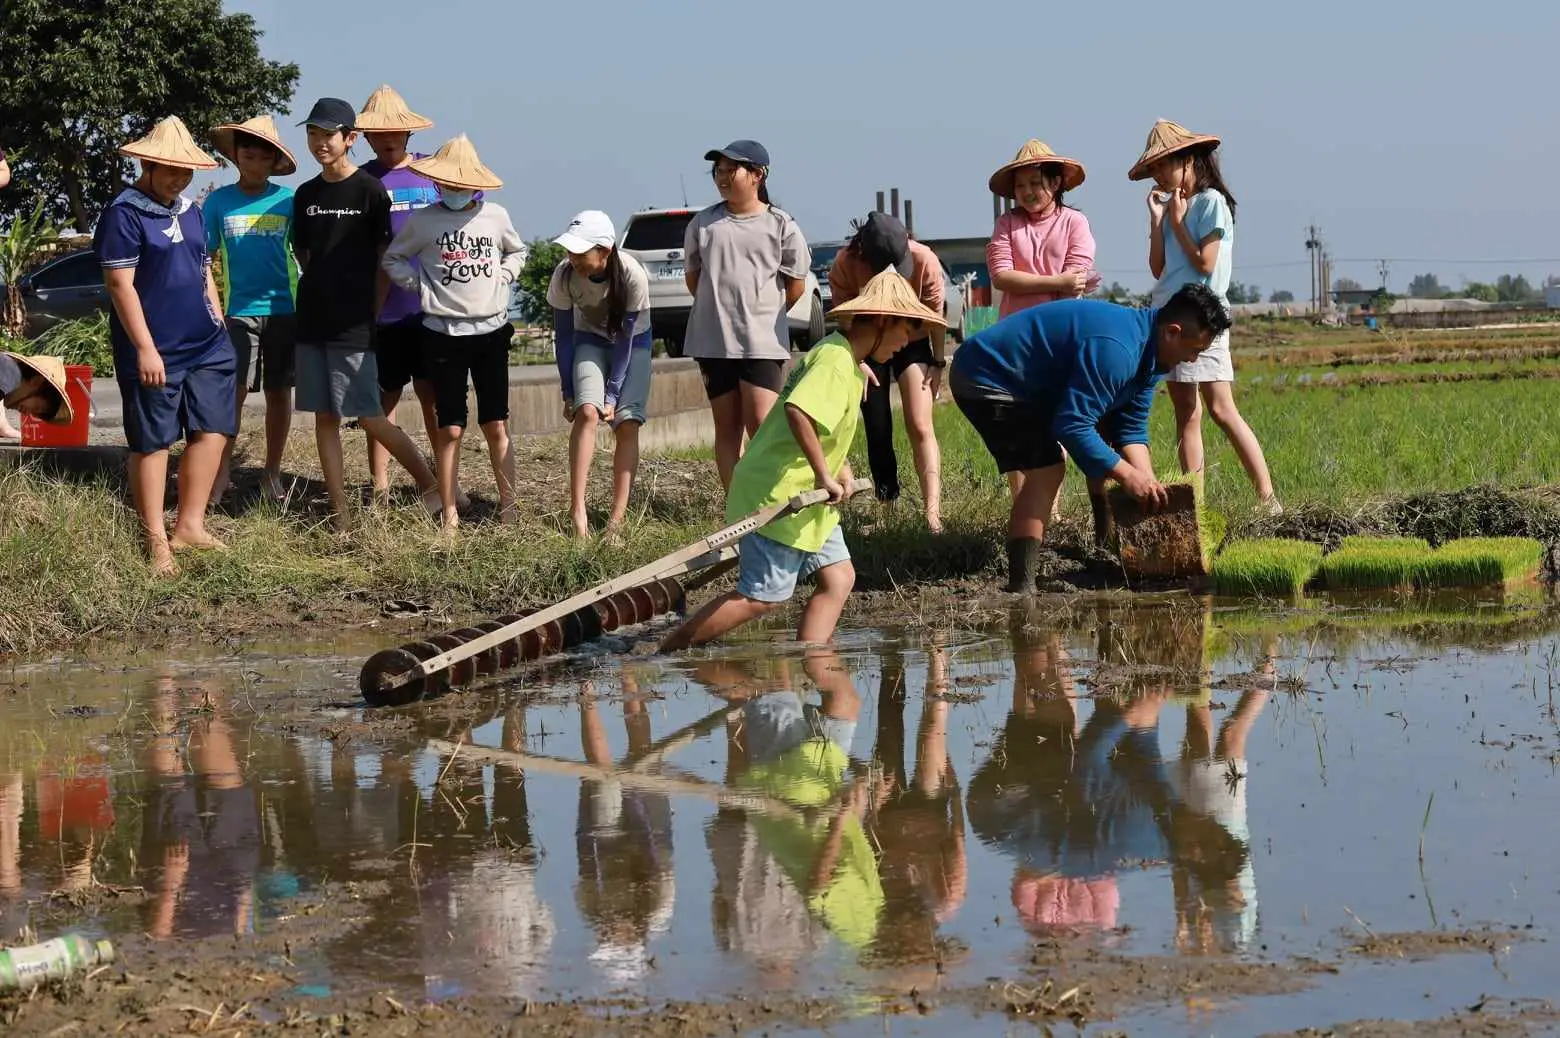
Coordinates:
[1394,459]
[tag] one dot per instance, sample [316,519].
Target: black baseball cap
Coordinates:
[750,152]
[883,238]
[332,113]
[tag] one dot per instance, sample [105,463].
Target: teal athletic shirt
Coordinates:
[251,236]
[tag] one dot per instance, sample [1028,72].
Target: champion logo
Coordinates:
[315,210]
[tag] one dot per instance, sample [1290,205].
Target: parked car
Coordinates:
[655,238]
[822,259]
[63,289]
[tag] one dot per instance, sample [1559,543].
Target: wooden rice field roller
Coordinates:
[429,667]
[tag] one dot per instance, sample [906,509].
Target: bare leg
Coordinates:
[402,449]
[7,430]
[426,398]
[823,609]
[1232,736]
[378,456]
[756,402]
[1015,481]
[224,476]
[916,403]
[1188,425]
[718,617]
[582,451]
[726,410]
[1220,398]
[327,439]
[202,456]
[1032,508]
[148,480]
[448,464]
[501,454]
[278,422]
[625,463]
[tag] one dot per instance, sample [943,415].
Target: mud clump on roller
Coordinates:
[1168,544]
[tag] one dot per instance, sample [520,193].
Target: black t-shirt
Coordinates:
[342,228]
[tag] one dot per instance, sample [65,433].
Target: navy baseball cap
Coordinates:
[885,242]
[332,113]
[749,152]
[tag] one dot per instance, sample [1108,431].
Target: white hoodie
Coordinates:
[466,262]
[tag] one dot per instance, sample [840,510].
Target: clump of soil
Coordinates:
[1166,543]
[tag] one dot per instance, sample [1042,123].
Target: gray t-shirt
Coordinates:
[739,311]
[588,298]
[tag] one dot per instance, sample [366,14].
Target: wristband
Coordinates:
[938,362]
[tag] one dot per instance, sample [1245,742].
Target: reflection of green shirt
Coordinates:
[812,775]
[826,384]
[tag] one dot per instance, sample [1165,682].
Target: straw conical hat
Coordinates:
[53,371]
[1035,153]
[889,295]
[1166,138]
[263,127]
[456,165]
[170,144]
[386,111]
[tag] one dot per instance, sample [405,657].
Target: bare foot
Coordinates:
[612,536]
[581,522]
[451,520]
[271,486]
[196,540]
[340,523]
[161,555]
[934,523]
[508,514]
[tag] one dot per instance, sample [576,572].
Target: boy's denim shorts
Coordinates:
[768,570]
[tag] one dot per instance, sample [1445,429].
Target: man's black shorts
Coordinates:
[400,353]
[1017,434]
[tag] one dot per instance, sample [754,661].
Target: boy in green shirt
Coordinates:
[803,444]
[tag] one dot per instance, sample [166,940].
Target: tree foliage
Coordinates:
[24,241]
[1346,285]
[1510,289]
[1426,286]
[1282,295]
[543,259]
[1240,293]
[1481,292]
[84,77]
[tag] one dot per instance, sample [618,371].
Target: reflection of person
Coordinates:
[805,444]
[1211,867]
[919,821]
[200,831]
[75,807]
[13,796]
[799,753]
[1078,375]
[176,366]
[624,842]
[1071,810]
[881,241]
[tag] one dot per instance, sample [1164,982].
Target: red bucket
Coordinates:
[78,385]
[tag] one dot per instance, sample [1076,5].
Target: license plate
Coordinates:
[671,272]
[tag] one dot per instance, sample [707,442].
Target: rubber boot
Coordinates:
[1023,563]
[1104,522]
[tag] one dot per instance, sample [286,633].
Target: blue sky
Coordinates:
[1414,132]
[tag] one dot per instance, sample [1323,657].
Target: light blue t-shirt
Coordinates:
[252,235]
[1207,213]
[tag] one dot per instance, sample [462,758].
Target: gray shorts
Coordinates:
[593,363]
[339,377]
[778,722]
[269,343]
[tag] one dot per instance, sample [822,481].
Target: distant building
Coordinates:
[1552,296]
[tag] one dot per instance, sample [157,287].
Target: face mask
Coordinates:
[456,199]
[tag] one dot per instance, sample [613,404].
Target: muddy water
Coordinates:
[918,808]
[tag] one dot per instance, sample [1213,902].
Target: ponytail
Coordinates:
[763,185]
[617,294]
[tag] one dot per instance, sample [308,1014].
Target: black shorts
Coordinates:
[270,342]
[1015,433]
[485,358]
[399,352]
[918,352]
[722,374]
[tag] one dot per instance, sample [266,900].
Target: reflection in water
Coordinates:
[831,789]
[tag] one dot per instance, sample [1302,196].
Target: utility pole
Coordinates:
[1385,270]
[1313,252]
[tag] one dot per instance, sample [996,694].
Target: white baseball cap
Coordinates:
[588,230]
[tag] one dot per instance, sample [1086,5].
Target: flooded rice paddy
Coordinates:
[1289,817]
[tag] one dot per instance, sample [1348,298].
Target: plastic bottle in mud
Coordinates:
[24,968]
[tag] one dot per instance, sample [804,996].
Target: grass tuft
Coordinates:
[1274,566]
[1362,563]
[1479,561]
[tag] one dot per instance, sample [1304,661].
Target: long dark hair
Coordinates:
[1059,171]
[617,293]
[1206,174]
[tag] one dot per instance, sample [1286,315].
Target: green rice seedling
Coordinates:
[1270,566]
[1374,562]
[1476,561]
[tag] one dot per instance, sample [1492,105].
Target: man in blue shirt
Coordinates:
[1078,374]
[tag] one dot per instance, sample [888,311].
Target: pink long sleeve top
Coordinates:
[1046,245]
